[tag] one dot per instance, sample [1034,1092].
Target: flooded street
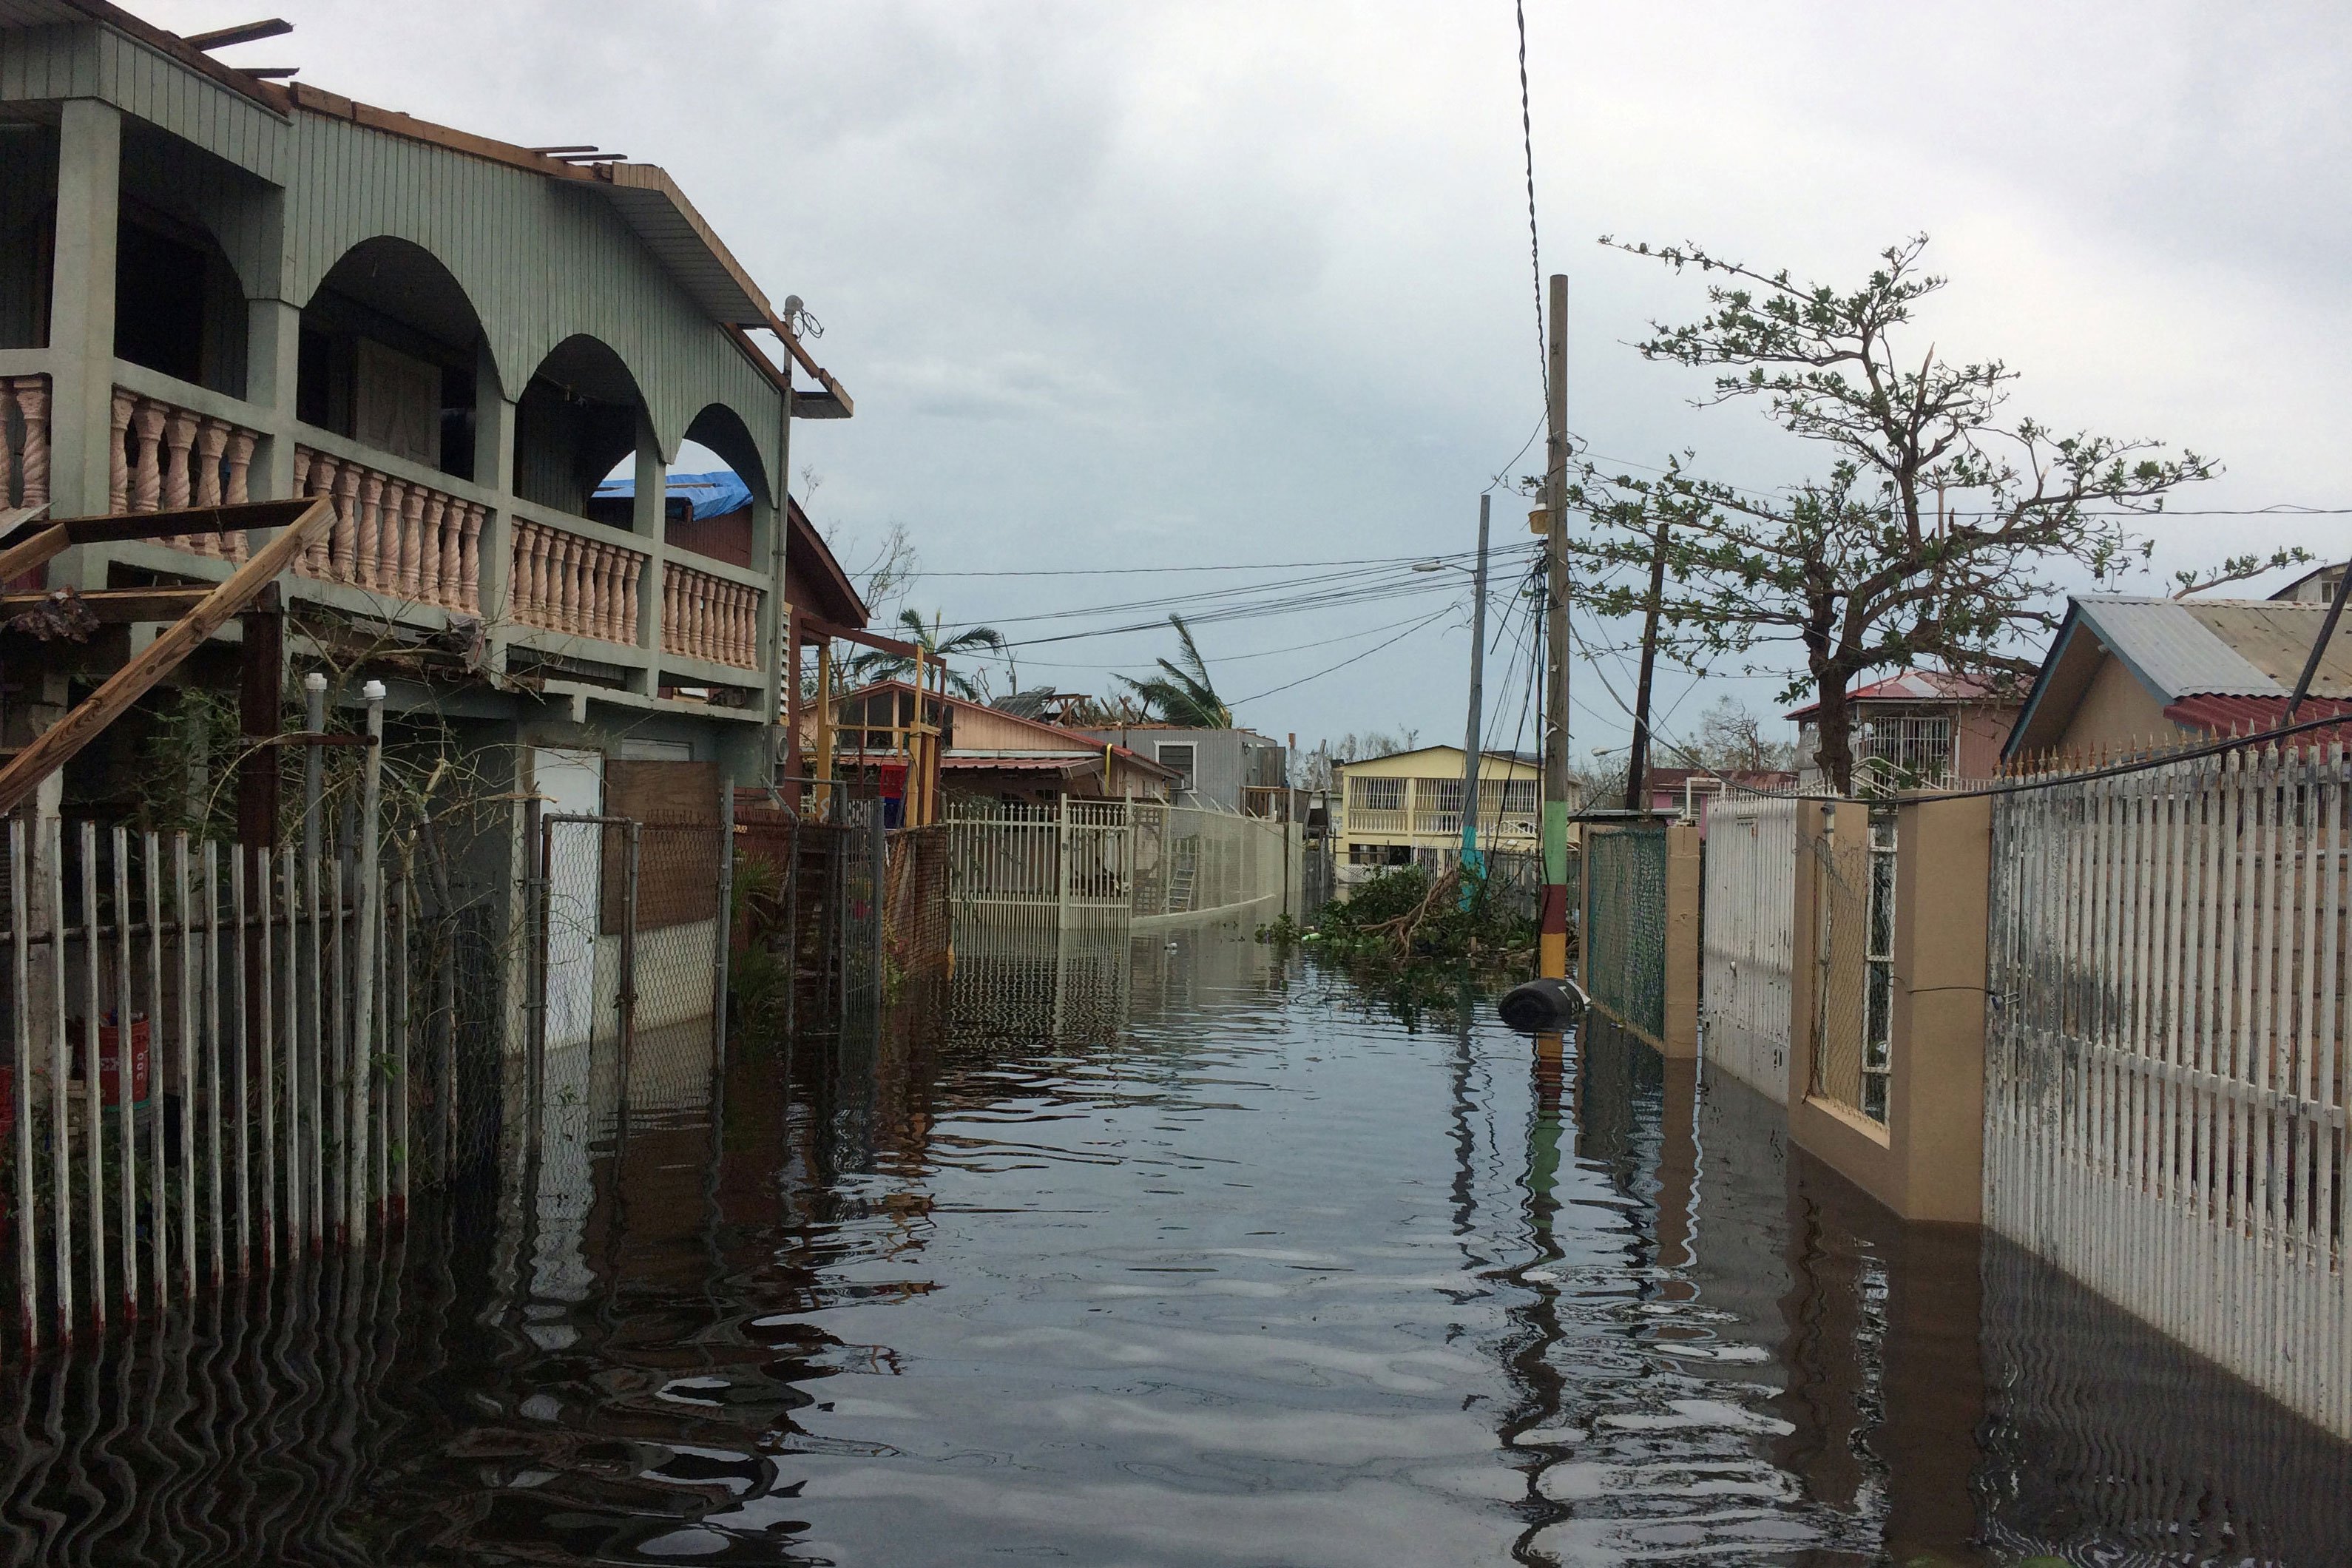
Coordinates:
[1159,1251]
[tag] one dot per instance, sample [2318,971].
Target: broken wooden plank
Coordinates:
[114,607]
[56,746]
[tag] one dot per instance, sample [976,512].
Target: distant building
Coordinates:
[1405,809]
[1225,770]
[1689,791]
[2315,586]
[988,752]
[2130,674]
[1916,728]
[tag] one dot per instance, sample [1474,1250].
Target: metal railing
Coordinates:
[2166,1081]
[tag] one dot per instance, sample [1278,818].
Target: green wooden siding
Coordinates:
[540,260]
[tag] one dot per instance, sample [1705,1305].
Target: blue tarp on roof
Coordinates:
[713,494]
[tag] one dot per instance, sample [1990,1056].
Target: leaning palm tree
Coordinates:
[1183,694]
[877,665]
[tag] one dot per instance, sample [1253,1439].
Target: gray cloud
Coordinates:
[1185,283]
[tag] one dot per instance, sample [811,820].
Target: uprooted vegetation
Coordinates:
[1409,919]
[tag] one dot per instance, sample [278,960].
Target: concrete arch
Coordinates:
[581,412]
[726,432]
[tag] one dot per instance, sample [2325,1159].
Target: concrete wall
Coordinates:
[1927,1161]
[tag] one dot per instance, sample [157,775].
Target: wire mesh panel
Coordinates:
[1625,921]
[2166,1090]
[916,907]
[680,876]
[1749,918]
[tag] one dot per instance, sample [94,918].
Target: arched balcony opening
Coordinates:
[391,356]
[179,304]
[578,416]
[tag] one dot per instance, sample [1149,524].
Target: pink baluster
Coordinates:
[543,564]
[8,462]
[147,470]
[212,445]
[118,454]
[32,471]
[370,531]
[632,624]
[469,570]
[343,560]
[237,489]
[575,598]
[179,436]
[428,530]
[669,609]
[412,541]
[522,581]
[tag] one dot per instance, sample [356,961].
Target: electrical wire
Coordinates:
[1535,242]
[1345,662]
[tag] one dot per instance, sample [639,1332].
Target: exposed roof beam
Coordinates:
[243,33]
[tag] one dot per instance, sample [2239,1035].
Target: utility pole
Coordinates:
[1552,938]
[1637,760]
[1471,867]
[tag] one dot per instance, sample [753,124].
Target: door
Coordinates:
[571,783]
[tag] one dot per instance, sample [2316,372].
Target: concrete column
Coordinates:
[494,470]
[1934,1092]
[647,522]
[1682,955]
[273,364]
[81,315]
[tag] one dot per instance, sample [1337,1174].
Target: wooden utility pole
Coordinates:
[1637,760]
[1470,746]
[1552,938]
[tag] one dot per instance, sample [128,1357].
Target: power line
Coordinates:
[1343,663]
[1535,243]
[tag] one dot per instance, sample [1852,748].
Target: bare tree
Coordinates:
[1935,536]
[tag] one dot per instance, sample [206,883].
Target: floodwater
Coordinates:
[1159,1253]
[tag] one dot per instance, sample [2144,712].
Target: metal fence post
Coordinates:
[877,872]
[539,850]
[723,940]
[626,1000]
[366,938]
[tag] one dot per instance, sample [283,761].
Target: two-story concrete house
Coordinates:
[216,287]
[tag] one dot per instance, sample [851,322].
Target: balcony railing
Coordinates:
[708,617]
[24,440]
[163,457]
[581,587]
[392,536]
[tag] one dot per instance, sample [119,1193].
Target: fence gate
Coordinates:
[1750,911]
[1625,921]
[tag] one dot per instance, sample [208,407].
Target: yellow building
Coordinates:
[1406,809]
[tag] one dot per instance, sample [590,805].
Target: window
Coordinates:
[1180,757]
[1375,794]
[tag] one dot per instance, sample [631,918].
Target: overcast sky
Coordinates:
[1187,284]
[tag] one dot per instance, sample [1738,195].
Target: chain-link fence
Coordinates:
[1624,924]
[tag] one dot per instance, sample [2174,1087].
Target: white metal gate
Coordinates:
[2165,1089]
[1751,928]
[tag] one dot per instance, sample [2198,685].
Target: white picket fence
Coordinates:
[1749,920]
[2166,1081]
[1018,866]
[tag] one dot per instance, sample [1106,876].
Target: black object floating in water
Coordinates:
[1542,1005]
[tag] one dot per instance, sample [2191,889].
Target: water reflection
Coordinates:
[1154,1251]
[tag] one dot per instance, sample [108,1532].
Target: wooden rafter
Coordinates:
[304,522]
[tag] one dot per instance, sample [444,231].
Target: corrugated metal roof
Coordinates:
[2248,715]
[2171,651]
[2275,637]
